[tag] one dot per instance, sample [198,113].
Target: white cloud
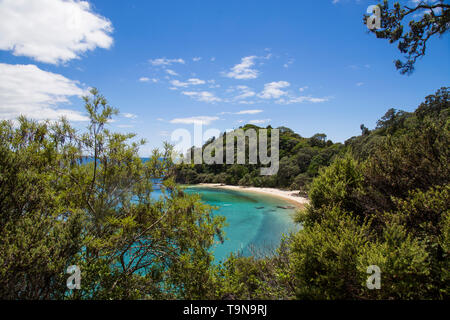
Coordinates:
[255,111]
[267,56]
[178,83]
[165,61]
[195,81]
[129,115]
[359,84]
[171,72]
[243,70]
[30,91]
[145,79]
[189,82]
[195,59]
[203,96]
[316,100]
[204,120]
[303,88]
[246,102]
[52,31]
[212,84]
[245,92]
[259,121]
[273,90]
[288,63]
[302,99]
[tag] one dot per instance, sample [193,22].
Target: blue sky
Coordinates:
[307,65]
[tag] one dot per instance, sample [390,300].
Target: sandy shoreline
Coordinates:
[291,196]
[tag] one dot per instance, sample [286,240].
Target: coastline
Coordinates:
[286,195]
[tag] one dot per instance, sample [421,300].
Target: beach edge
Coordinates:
[299,201]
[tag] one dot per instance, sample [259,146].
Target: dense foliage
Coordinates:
[300,160]
[385,203]
[69,198]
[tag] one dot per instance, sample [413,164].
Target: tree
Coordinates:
[318,140]
[85,199]
[435,105]
[391,121]
[40,233]
[288,170]
[433,18]
[399,198]
[364,130]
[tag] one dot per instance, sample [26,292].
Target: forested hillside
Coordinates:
[300,161]
[385,202]
[301,158]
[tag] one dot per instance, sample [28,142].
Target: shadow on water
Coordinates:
[209,194]
[269,234]
[255,221]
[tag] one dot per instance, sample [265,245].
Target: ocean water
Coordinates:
[254,220]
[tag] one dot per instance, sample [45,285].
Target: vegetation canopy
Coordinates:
[85,199]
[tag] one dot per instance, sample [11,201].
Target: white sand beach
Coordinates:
[291,195]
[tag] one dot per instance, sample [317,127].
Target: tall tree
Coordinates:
[86,199]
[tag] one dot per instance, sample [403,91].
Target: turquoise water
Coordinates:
[254,220]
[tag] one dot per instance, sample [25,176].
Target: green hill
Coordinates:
[301,158]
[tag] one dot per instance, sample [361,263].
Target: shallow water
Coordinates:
[254,220]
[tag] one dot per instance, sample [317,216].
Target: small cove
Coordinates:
[254,220]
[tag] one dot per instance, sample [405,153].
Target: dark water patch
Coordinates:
[207,192]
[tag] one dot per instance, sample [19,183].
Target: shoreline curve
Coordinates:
[290,196]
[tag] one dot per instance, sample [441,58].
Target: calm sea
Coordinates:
[255,221]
